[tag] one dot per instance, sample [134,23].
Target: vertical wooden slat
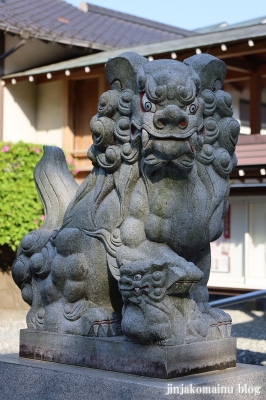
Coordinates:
[86,94]
[255,103]
[67,130]
[1,112]
[2,66]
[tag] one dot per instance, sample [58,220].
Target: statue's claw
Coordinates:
[100,322]
[219,320]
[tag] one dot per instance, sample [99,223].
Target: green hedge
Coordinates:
[20,208]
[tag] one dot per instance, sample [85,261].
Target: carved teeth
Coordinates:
[145,138]
[137,289]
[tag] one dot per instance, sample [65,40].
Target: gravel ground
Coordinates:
[248,326]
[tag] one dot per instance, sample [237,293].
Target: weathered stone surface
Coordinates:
[116,354]
[23,379]
[128,252]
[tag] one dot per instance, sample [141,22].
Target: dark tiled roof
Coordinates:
[99,28]
[180,44]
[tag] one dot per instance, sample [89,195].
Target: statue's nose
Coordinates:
[170,115]
[125,281]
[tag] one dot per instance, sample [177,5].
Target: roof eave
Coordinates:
[52,38]
[208,39]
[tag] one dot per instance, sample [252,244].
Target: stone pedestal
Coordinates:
[116,354]
[22,379]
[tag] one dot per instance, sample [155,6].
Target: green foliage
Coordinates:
[20,208]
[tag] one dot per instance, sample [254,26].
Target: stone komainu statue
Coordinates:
[128,251]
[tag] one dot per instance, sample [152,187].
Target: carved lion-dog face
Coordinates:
[167,113]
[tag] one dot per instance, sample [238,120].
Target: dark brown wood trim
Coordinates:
[255,103]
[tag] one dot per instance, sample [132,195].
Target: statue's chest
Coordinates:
[169,197]
[176,213]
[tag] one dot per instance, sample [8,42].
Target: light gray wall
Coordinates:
[36,53]
[19,118]
[49,113]
[33,113]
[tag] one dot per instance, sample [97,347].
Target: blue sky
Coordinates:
[189,14]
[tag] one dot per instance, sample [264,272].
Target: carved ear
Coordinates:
[210,69]
[124,70]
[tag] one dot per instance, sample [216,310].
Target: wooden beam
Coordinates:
[234,49]
[255,103]
[238,49]
[233,76]
[77,73]
[234,86]
[241,65]
[262,70]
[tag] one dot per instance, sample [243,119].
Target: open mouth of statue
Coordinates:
[135,290]
[171,133]
[147,134]
[138,289]
[185,159]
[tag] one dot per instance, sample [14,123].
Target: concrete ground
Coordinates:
[249,326]
[11,321]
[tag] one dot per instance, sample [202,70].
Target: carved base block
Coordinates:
[115,354]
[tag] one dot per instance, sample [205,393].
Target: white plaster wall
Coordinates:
[33,113]
[246,247]
[36,53]
[49,115]
[19,112]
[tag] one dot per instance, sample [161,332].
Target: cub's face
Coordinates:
[139,281]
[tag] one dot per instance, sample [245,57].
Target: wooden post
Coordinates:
[255,103]
[67,132]
[2,65]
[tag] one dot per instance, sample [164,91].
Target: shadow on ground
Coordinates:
[249,327]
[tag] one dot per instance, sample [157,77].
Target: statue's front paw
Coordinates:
[100,322]
[218,315]
[220,321]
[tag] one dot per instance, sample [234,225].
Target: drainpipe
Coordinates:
[13,49]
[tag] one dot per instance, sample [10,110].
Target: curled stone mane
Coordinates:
[111,132]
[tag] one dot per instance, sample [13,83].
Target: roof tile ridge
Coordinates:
[133,18]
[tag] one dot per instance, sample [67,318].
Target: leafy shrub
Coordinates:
[20,208]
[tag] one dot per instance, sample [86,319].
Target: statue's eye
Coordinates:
[137,277]
[192,108]
[147,105]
